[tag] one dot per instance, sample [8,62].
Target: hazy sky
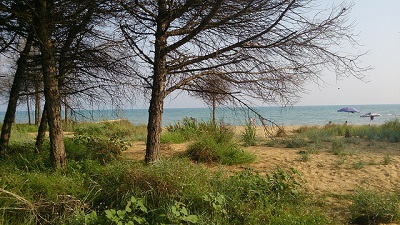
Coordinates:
[378,26]
[378,23]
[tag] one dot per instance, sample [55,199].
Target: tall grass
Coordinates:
[249,135]
[72,195]
[121,129]
[371,207]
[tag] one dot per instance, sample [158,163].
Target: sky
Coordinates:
[377,24]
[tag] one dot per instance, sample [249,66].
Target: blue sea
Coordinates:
[284,116]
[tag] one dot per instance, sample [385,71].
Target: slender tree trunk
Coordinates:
[158,90]
[41,131]
[9,117]
[214,110]
[28,106]
[66,110]
[37,101]
[45,8]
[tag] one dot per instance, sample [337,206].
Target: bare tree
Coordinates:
[212,90]
[14,94]
[264,49]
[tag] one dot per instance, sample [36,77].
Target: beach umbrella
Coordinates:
[371,114]
[349,110]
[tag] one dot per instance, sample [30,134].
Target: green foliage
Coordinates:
[296,141]
[249,135]
[82,147]
[134,213]
[251,186]
[173,137]
[191,129]
[338,146]
[209,150]
[25,128]
[387,159]
[371,207]
[179,214]
[121,129]
[218,203]
[390,131]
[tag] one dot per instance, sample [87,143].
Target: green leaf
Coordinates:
[110,213]
[192,219]
[121,213]
[175,211]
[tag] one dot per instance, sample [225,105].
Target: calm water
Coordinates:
[297,115]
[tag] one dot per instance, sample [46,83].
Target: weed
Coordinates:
[359,165]
[338,146]
[297,141]
[370,207]
[387,159]
[249,135]
[304,156]
[209,150]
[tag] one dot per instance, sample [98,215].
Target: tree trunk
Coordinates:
[41,131]
[66,110]
[214,110]
[37,101]
[51,89]
[28,106]
[158,89]
[14,95]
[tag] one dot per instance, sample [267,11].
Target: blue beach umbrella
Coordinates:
[349,110]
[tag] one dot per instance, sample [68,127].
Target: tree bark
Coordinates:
[51,88]
[154,126]
[214,110]
[66,110]
[9,117]
[28,106]
[41,131]
[37,101]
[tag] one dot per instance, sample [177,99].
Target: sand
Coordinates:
[326,175]
[363,166]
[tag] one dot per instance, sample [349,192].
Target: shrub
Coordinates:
[390,131]
[207,149]
[370,207]
[190,129]
[249,135]
[82,147]
[296,141]
[121,129]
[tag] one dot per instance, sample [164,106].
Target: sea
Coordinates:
[283,116]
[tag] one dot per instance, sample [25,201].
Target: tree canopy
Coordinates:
[237,49]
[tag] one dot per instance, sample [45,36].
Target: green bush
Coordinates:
[82,147]
[371,207]
[296,141]
[209,150]
[390,131]
[249,135]
[190,130]
[338,146]
[121,129]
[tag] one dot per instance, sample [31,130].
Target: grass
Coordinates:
[98,182]
[249,135]
[371,207]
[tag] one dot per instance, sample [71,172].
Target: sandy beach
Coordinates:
[325,173]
